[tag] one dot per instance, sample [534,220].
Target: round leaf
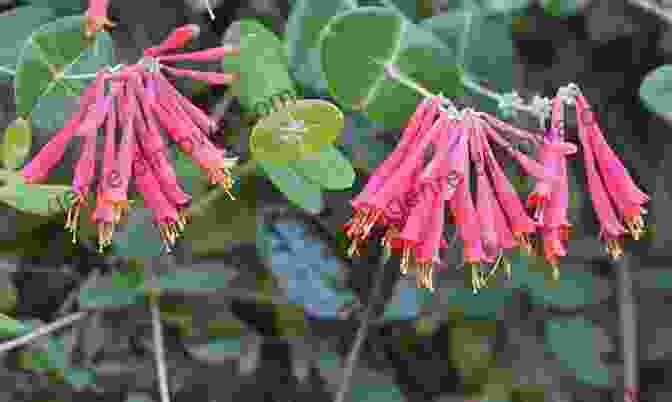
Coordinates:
[39,199]
[578,345]
[656,90]
[262,68]
[190,280]
[117,290]
[483,45]
[574,288]
[328,168]
[56,49]
[16,144]
[302,36]
[297,130]
[297,189]
[357,45]
[17,25]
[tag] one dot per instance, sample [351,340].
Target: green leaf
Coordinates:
[62,7]
[121,289]
[561,8]
[328,168]
[297,189]
[362,146]
[577,345]
[302,36]
[11,327]
[297,130]
[16,144]
[184,279]
[39,199]
[505,6]
[17,25]
[407,301]
[56,49]
[483,45]
[574,288]
[656,90]
[357,45]
[56,106]
[374,389]
[79,377]
[483,305]
[140,238]
[262,67]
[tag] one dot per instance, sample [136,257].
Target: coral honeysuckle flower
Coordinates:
[85,168]
[166,217]
[139,103]
[616,198]
[118,193]
[153,149]
[522,226]
[37,169]
[96,17]
[374,206]
[177,39]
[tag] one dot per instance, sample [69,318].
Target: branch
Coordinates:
[363,330]
[159,353]
[628,321]
[653,8]
[41,331]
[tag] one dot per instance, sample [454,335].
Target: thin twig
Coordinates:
[44,330]
[628,322]
[353,356]
[653,8]
[159,353]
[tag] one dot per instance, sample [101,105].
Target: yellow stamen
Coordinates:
[614,249]
[635,226]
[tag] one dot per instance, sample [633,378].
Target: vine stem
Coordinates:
[159,352]
[41,331]
[653,8]
[628,322]
[363,329]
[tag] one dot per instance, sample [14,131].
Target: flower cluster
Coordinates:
[430,171]
[136,103]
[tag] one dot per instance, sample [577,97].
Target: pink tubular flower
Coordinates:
[211,78]
[521,224]
[96,17]
[166,217]
[197,146]
[426,112]
[37,170]
[192,111]
[212,54]
[378,204]
[85,168]
[615,197]
[177,39]
[139,103]
[153,147]
[626,196]
[121,174]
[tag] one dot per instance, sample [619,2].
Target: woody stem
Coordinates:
[363,330]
